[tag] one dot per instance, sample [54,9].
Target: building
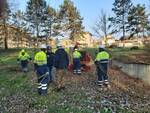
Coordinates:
[108,41]
[14,36]
[130,43]
[85,40]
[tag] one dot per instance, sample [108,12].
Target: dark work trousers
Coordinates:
[42,74]
[76,66]
[24,65]
[50,78]
[102,73]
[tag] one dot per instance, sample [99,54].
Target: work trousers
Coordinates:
[76,66]
[42,74]
[60,77]
[102,73]
[24,65]
[50,77]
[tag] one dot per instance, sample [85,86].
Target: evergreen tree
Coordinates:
[120,9]
[138,20]
[35,14]
[19,22]
[50,21]
[70,20]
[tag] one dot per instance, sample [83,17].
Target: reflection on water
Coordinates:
[136,70]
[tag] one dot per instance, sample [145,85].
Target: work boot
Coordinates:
[79,72]
[99,83]
[43,92]
[74,71]
[106,83]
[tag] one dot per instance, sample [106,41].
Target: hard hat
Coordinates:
[101,46]
[22,50]
[75,49]
[59,45]
[43,46]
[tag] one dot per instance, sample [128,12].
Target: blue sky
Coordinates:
[89,9]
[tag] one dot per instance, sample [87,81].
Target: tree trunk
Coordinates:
[143,32]
[37,35]
[123,22]
[5,35]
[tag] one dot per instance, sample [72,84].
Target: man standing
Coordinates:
[40,62]
[101,61]
[50,62]
[76,62]
[61,62]
[24,57]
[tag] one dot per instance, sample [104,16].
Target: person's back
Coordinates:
[61,60]
[40,63]
[24,57]
[101,61]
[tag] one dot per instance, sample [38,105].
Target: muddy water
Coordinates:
[136,70]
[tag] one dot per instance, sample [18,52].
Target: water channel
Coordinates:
[136,70]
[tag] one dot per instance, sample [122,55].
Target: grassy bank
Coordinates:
[139,56]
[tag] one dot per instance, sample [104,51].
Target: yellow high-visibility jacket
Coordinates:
[102,56]
[40,58]
[76,54]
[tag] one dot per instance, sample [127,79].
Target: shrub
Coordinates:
[112,46]
[147,46]
[134,48]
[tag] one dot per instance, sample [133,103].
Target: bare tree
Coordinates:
[102,25]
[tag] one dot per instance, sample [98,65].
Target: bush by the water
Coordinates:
[134,48]
[113,46]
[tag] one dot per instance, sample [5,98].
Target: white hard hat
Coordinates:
[43,46]
[76,49]
[101,46]
[59,45]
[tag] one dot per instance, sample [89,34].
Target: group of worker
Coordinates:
[45,61]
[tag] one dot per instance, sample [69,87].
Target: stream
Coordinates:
[135,70]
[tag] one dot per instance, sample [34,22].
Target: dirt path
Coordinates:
[125,92]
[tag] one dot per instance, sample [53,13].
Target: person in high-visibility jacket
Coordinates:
[40,62]
[101,61]
[76,62]
[23,58]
